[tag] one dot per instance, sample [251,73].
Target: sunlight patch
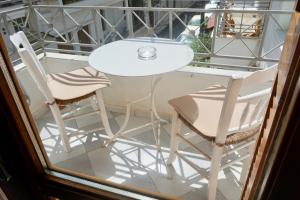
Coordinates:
[119,167]
[116,179]
[119,173]
[50,142]
[194,185]
[139,172]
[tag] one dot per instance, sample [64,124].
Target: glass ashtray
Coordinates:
[147,53]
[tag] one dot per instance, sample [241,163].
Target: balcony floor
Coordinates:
[134,162]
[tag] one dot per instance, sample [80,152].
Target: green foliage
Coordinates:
[202,44]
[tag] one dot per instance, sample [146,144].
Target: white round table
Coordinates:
[121,58]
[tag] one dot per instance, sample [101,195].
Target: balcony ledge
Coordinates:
[186,80]
[190,69]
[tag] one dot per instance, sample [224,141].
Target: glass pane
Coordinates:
[108,113]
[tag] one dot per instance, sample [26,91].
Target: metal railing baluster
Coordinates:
[170,24]
[97,27]
[40,20]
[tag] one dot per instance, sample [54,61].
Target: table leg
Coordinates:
[155,118]
[154,115]
[122,131]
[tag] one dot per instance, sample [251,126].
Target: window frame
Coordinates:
[263,168]
[51,185]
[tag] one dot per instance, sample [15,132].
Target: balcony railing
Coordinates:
[80,29]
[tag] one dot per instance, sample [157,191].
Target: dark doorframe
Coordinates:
[19,167]
[275,167]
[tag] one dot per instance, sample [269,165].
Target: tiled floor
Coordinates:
[134,162]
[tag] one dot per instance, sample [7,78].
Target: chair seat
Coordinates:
[201,112]
[76,84]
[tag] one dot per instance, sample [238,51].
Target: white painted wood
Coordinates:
[231,95]
[257,108]
[61,127]
[34,66]
[244,115]
[31,61]
[36,70]
[214,172]
[260,77]
[256,95]
[103,113]
[20,38]
[249,82]
[175,128]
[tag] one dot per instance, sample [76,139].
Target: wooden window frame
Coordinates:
[42,185]
[280,125]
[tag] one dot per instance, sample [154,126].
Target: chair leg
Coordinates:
[246,164]
[61,127]
[92,102]
[214,172]
[103,113]
[175,128]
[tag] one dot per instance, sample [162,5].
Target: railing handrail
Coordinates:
[153,9]
[200,10]
[13,10]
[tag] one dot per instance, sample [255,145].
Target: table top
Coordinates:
[121,57]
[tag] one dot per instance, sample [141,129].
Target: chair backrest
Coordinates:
[33,64]
[246,102]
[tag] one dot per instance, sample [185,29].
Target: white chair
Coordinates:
[224,116]
[63,89]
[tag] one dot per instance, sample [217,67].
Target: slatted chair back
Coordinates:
[246,101]
[33,64]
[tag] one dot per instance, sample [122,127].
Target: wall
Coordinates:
[274,35]
[236,48]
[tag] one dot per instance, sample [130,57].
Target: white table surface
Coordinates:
[121,57]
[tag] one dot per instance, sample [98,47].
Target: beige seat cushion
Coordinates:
[202,110]
[76,83]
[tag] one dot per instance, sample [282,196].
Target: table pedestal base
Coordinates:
[155,122]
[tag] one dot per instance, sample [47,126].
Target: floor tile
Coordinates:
[148,138]
[56,152]
[96,140]
[105,161]
[133,123]
[201,194]
[79,164]
[52,142]
[135,161]
[118,163]
[173,187]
